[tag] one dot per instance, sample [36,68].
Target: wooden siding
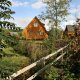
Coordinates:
[69,32]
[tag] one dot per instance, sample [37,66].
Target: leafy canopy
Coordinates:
[5,13]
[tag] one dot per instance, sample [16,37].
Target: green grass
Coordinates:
[9,65]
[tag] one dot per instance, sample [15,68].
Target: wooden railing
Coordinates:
[14,75]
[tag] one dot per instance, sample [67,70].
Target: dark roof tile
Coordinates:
[70,27]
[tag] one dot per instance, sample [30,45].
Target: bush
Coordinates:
[21,48]
[8,51]
[38,51]
[52,73]
[0,30]
[9,65]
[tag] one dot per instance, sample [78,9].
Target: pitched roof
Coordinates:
[70,27]
[42,24]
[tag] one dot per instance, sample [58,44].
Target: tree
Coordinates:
[56,11]
[5,13]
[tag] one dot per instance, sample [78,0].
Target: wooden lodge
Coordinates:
[35,30]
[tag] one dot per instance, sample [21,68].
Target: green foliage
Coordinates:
[50,43]
[38,51]
[5,13]
[55,11]
[9,51]
[33,49]
[9,65]
[69,69]
[52,73]
[8,39]
[21,48]
[10,60]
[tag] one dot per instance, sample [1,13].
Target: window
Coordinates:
[41,33]
[30,32]
[35,24]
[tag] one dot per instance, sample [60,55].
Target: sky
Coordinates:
[26,10]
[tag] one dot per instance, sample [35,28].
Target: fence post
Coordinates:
[10,78]
[62,57]
[43,66]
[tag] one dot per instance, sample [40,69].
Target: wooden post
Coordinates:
[62,57]
[62,64]
[43,64]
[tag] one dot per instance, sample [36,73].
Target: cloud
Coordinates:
[16,3]
[21,22]
[75,10]
[39,4]
[70,21]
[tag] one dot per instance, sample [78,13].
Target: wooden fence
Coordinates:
[14,75]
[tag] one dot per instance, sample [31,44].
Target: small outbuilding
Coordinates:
[69,30]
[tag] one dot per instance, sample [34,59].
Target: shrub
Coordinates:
[51,73]
[9,65]
[8,51]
